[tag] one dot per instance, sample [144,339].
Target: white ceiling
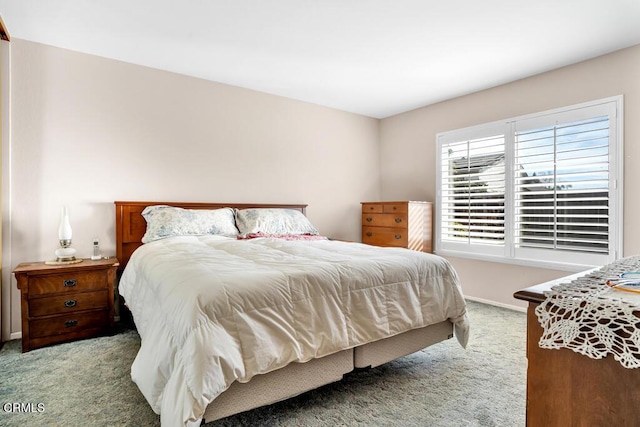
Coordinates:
[372,57]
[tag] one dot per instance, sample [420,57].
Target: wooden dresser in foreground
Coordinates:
[65,302]
[565,388]
[405,224]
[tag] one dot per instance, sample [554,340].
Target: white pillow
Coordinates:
[166,221]
[273,221]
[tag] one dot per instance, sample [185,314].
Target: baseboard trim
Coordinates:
[497,304]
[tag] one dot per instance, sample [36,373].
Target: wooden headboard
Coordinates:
[131,226]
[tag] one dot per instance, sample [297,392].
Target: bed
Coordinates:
[230,323]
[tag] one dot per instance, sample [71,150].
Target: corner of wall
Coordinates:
[6,288]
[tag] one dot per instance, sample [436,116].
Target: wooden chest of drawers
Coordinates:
[65,302]
[404,224]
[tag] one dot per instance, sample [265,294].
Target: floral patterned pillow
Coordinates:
[273,221]
[166,221]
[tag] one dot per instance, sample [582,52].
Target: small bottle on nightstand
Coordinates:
[96,249]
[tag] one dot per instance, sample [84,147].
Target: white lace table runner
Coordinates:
[590,318]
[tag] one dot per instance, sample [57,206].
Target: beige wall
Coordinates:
[87,131]
[408,151]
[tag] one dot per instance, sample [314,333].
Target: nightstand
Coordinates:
[65,302]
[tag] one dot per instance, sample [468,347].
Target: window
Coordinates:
[543,189]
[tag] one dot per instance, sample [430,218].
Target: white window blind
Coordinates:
[540,189]
[562,186]
[473,188]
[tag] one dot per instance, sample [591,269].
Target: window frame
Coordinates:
[508,253]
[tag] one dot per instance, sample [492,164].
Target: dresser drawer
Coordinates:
[384,236]
[372,207]
[394,208]
[69,323]
[68,303]
[385,220]
[67,282]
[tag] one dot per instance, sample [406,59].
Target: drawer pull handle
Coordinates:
[398,220]
[369,219]
[397,236]
[70,303]
[369,234]
[70,283]
[70,323]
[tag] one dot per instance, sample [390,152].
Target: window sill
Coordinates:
[561,266]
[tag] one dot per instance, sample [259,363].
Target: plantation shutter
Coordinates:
[472,190]
[543,189]
[561,185]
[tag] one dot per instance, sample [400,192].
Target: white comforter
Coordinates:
[213,310]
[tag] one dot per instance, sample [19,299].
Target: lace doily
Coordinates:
[590,318]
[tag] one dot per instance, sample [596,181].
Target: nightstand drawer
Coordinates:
[67,282]
[385,220]
[69,323]
[68,303]
[382,236]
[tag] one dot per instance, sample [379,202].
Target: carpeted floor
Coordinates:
[87,383]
